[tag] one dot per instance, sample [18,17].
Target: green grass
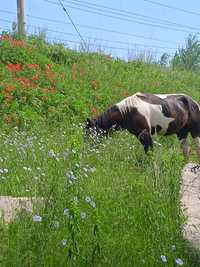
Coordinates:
[110,203]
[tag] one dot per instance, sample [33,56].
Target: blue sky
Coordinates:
[117,44]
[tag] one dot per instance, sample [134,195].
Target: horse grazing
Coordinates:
[145,114]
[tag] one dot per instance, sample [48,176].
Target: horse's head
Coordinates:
[93,129]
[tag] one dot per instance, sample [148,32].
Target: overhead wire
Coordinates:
[92,10]
[72,22]
[107,40]
[65,42]
[92,44]
[127,13]
[173,7]
[89,37]
[95,28]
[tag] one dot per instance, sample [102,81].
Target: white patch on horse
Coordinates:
[152,113]
[166,95]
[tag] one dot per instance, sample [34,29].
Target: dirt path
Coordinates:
[190,199]
[9,206]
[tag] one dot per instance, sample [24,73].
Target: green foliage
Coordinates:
[105,204]
[164,59]
[188,58]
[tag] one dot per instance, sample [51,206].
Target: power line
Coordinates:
[4,29]
[8,12]
[173,7]
[127,13]
[106,40]
[64,41]
[63,7]
[95,28]
[5,20]
[121,18]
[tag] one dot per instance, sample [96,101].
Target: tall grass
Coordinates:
[105,203]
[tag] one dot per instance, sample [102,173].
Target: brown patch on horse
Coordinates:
[193,123]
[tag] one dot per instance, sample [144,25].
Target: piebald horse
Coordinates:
[145,114]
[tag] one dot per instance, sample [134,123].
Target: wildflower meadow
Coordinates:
[103,202]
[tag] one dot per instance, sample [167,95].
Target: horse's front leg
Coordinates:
[146,140]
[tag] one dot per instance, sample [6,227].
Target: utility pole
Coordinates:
[20,18]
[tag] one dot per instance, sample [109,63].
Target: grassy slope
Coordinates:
[136,217]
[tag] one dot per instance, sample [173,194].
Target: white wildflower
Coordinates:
[5,170]
[93,204]
[64,242]
[66,154]
[92,169]
[85,169]
[37,218]
[27,168]
[163,258]
[83,215]
[179,262]
[71,175]
[66,212]
[88,199]
[51,153]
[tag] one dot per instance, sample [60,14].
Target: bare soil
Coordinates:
[190,198]
[10,206]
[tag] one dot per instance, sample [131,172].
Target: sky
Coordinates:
[122,37]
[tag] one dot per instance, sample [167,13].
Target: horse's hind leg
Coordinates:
[146,140]
[182,136]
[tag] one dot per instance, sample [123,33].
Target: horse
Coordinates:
[146,114]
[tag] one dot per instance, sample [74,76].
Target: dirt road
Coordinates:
[190,198]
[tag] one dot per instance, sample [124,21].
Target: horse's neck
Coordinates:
[112,117]
[103,121]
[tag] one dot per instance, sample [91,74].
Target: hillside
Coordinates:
[108,203]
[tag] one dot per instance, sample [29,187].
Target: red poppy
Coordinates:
[14,67]
[32,66]
[10,67]
[48,66]
[10,88]
[94,110]
[34,78]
